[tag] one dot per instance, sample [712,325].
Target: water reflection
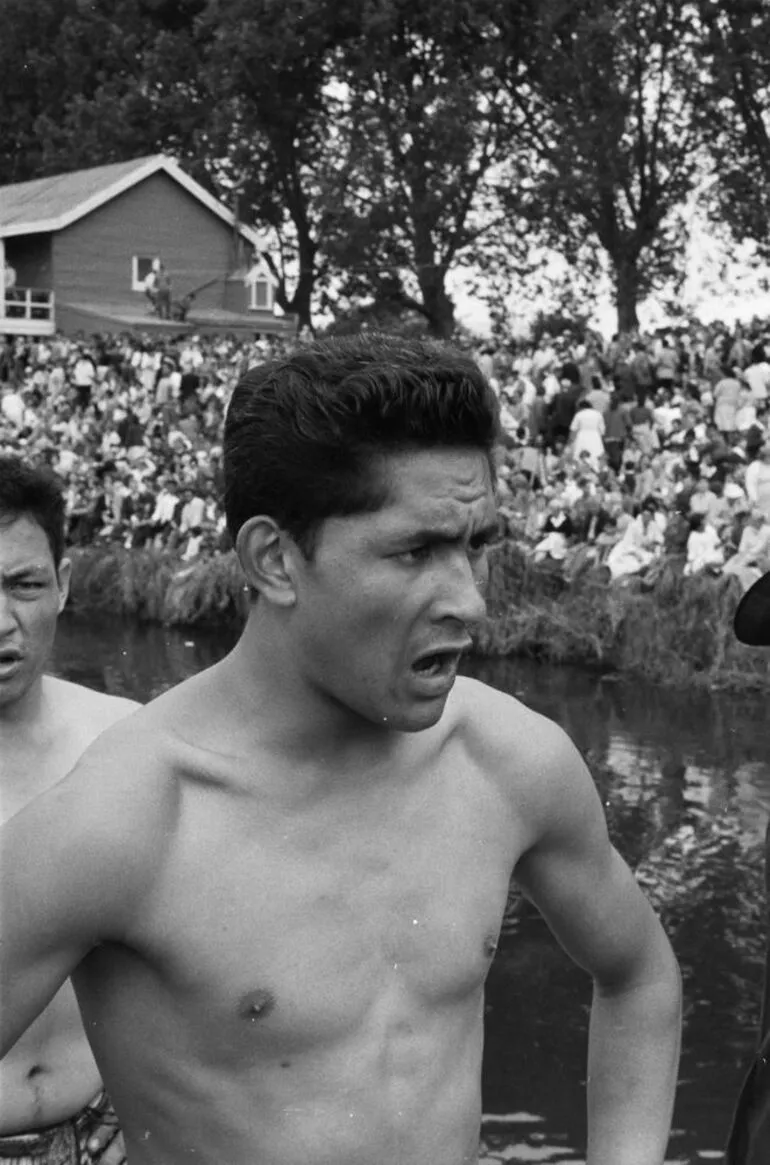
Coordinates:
[667,767]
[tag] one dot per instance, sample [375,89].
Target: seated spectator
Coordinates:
[704,549]
[752,558]
[555,533]
[640,544]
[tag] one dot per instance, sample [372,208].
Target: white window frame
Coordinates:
[137,284]
[253,285]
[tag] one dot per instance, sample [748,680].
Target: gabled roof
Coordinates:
[50,204]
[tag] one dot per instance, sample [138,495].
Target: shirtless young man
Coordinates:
[52,1108]
[279,885]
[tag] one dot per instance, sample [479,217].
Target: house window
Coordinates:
[261,295]
[141,266]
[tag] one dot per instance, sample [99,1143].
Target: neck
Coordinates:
[25,714]
[289,715]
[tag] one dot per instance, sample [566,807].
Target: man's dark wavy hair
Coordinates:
[33,492]
[303,433]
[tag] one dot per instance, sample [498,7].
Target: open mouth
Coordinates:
[436,663]
[9,655]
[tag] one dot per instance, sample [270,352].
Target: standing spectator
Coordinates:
[727,395]
[562,409]
[151,287]
[163,292]
[666,365]
[617,428]
[643,429]
[642,372]
[599,395]
[83,377]
[757,481]
[757,376]
[587,431]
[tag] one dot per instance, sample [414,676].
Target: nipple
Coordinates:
[256,1005]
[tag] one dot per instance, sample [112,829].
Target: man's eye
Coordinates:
[482,546]
[416,554]
[28,586]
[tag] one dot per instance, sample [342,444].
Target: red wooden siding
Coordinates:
[30,257]
[236,295]
[92,258]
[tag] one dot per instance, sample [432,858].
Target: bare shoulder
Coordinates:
[105,831]
[119,799]
[79,702]
[529,756]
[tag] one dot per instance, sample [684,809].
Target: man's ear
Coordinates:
[63,577]
[264,554]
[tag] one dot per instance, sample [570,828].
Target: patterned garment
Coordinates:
[82,1140]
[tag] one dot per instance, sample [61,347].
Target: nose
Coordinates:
[463,598]
[7,618]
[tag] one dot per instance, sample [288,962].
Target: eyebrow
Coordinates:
[23,571]
[487,533]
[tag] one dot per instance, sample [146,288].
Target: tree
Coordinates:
[32,81]
[84,84]
[273,137]
[736,111]
[428,126]
[608,124]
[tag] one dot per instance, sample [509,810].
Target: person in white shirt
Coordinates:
[83,377]
[587,429]
[704,549]
[757,376]
[752,558]
[193,511]
[757,481]
[13,408]
[165,504]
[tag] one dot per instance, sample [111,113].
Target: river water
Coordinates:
[675,761]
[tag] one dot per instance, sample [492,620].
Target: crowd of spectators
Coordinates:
[623,454]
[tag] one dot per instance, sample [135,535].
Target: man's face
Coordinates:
[384,591]
[31,599]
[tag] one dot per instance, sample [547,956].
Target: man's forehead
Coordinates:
[450,499]
[23,542]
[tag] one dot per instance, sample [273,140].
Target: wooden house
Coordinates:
[75,250]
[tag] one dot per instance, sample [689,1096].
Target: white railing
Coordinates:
[28,304]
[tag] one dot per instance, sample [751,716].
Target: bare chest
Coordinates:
[301,932]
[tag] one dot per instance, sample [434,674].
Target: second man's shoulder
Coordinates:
[80,703]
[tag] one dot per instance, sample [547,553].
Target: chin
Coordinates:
[417,719]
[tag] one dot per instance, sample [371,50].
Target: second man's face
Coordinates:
[32,596]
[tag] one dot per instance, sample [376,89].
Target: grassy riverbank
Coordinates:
[678,635]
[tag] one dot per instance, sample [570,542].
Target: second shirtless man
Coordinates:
[52,1107]
[279,886]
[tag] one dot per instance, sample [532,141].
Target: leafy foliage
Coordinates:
[382,146]
[608,121]
[736,111]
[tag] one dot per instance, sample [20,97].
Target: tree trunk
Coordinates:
[627,293]
[300,303]
[439,308]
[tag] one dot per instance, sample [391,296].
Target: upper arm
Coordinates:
[576,878]
[73,865]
